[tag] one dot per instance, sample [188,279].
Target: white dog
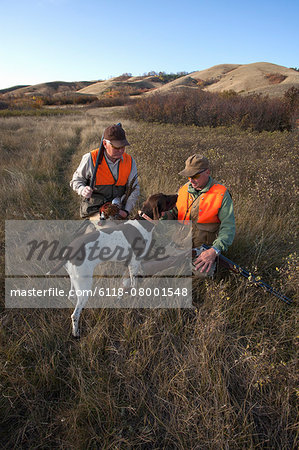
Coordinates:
[132,237]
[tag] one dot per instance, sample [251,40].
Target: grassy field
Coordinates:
[220,376]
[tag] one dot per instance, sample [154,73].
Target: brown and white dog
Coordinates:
[124,235]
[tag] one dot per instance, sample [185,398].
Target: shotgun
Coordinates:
[228,264]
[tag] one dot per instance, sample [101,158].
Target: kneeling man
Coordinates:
[209,206]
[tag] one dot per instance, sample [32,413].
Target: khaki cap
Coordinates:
[195,164]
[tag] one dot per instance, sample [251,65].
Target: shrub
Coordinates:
[292,98]
[69,99]
[3,105]
[222,109]
[107,101]
[275,78]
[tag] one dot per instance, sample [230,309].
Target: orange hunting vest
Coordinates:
[209,204]
[104,177]
[106,188]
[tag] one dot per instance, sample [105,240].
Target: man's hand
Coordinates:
[205,260]
[123,214]
[87,192]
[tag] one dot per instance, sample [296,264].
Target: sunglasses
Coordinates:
[113,146]
[197,175]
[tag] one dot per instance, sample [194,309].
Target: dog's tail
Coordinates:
[57,267]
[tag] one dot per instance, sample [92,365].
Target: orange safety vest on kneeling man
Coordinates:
[209,204]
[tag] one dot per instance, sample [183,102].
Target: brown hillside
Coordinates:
[47,89]
[262,78]
[196,79]
[256,78]
[13,88]
[130,86]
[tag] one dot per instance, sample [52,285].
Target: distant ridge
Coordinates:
[52,88]
[13,88]
[131,85]
[256,78]
[259,78]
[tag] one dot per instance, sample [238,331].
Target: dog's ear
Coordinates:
[156,213]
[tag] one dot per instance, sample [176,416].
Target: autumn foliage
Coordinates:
[200,108]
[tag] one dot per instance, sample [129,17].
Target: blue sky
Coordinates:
[74,40]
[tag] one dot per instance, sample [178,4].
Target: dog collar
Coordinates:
[145,216]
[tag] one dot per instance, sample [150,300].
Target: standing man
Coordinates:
[209,205]
[115,173]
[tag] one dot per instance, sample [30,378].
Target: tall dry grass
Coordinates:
[222,375]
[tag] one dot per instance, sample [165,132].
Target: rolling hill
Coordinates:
[46,89]
[131,86]
[260,78]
